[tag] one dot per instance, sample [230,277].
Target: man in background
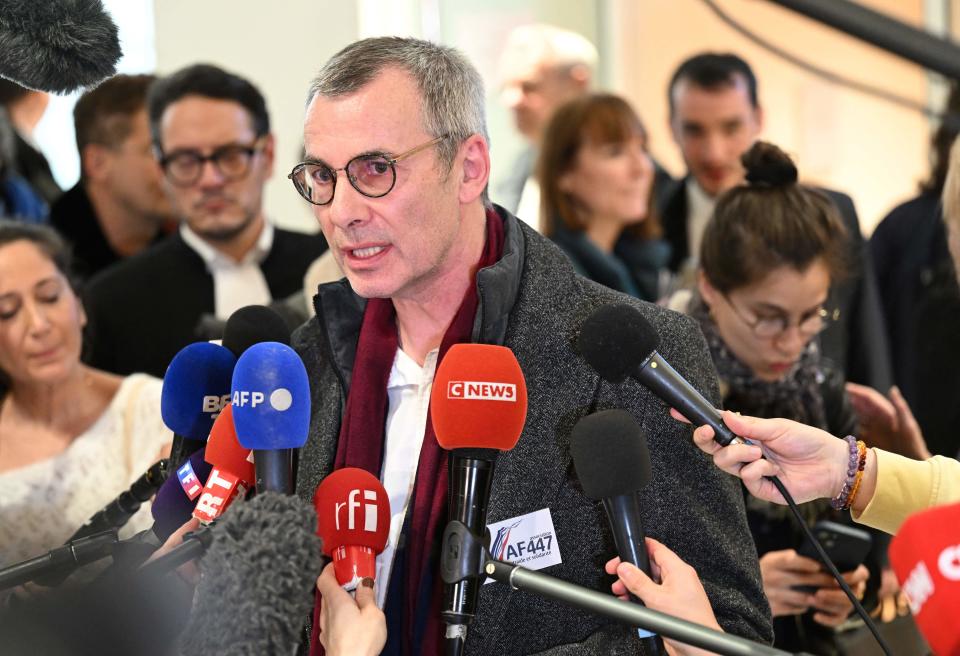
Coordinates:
[118,207]
[715,116]
[541,68]
[211,136]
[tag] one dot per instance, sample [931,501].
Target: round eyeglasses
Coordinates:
[184,167]
[809,325]
[372,174]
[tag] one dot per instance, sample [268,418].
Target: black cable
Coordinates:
[830,566]
[830,76]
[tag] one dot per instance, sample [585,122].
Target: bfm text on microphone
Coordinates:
[925,554]
[353,521]
[610,455]
[478,406]
[231,474]
[271,411]
[195,388]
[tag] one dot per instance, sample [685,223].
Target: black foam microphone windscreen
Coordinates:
[258,578]
[57,45]
[615,340]
[253,324]
[610,454]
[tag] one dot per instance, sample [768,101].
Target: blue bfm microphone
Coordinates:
[196,386]
[271,411]
[612,462]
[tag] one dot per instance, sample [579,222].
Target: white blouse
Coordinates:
[42,504]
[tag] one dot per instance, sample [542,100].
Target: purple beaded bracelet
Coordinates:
[840,501]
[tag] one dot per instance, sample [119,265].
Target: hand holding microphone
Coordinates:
[810,462]
[353,520]
[350,624]
[673,587]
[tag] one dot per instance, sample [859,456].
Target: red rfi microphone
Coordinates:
[353,520]
[925,554]
[478,405]
[233,471]
[479,398]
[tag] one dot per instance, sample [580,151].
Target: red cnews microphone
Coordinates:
[478,406]
[353,519]
[925,554]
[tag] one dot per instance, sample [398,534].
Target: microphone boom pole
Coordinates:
[635,615]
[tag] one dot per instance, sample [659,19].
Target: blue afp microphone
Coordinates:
[195,389]
[271,411]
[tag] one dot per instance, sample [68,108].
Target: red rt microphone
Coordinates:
[233,470]
[925,554]
[353,520]
[478,405]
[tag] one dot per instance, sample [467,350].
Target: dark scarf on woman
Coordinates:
[634,267]
[362,436]
[797,395]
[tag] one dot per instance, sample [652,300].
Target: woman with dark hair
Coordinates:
[769,255]
[596,195]
[71,437]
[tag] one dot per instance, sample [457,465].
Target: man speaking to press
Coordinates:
[397,165]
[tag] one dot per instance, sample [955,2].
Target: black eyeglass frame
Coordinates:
[391,161]
[214,158]
[826,317]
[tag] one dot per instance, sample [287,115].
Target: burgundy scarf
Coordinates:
[362,435]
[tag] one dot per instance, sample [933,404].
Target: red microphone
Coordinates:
[353,520]
[925,554]
[233,471]
[478,406]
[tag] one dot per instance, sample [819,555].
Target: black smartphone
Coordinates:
[846,546]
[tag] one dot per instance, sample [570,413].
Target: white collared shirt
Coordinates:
[408,392]
[235,284]
[699,210]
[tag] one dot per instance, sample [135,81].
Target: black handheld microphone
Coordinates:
[610,455]
[60,561]
[618,342]
[116,513]
[57,45]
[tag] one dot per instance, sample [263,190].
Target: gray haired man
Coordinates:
[397,168]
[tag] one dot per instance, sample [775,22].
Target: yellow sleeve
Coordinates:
[905,486]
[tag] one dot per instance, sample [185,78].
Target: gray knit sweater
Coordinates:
[533,302]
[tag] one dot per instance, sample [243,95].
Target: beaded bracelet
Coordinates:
[855,465]
[856,486]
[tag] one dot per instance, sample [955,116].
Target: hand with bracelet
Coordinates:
[810,462]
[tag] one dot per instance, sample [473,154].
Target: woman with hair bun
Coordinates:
[596,195]
[769,255]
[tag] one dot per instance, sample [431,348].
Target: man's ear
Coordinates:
[475,154]
[95,161]
[269,153]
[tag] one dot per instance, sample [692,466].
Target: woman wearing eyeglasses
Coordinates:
[596,195]
[768,258]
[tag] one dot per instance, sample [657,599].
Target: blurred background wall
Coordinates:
[875,151]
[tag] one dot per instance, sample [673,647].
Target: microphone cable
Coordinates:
[825,560]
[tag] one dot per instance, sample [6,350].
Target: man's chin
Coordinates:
[221,233]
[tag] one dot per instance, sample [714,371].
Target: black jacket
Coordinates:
[143,310]
[921,308]
[857,342]
[534,303]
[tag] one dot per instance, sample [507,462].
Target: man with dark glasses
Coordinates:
[212,141]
